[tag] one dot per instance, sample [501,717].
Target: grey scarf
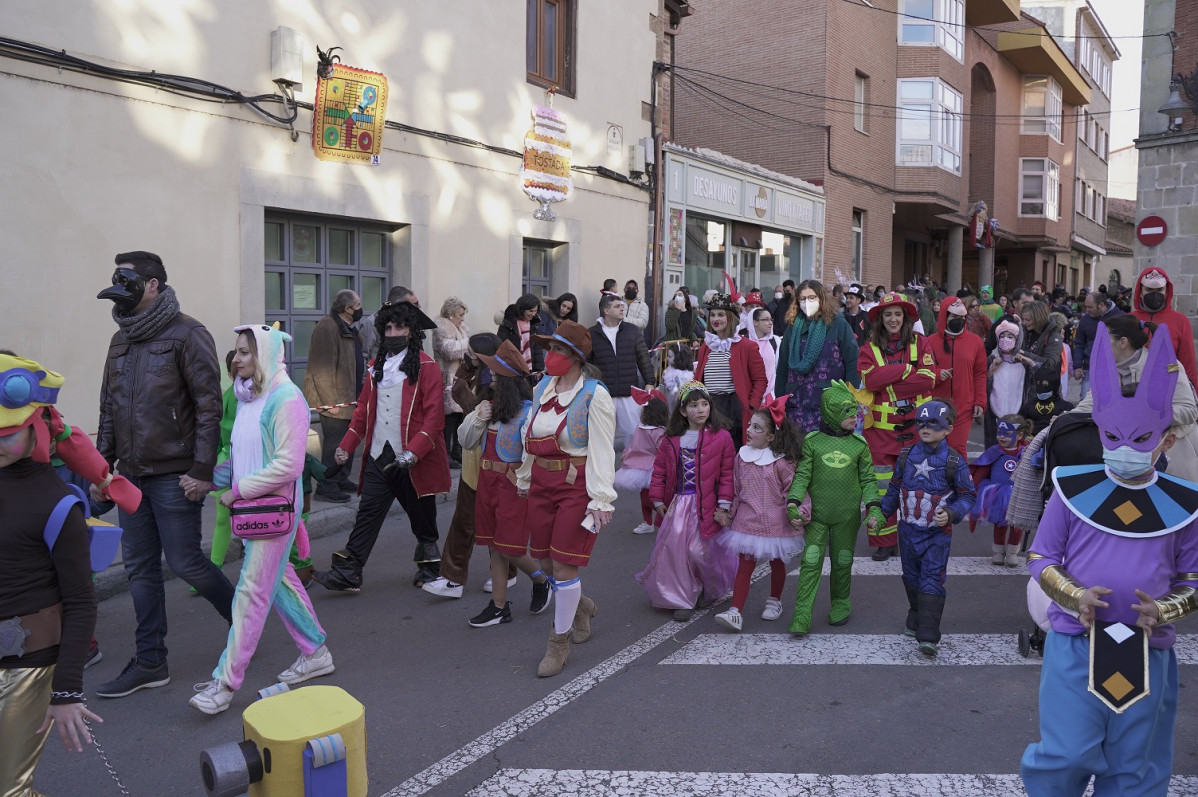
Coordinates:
[146,325]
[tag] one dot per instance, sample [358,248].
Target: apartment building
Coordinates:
[906,112]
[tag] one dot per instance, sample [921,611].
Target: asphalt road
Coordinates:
[648,706]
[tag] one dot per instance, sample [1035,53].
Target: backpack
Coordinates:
[104,539]
[954,462]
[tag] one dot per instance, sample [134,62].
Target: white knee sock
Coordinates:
[565,603]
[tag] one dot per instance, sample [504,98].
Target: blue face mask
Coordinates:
[1127,463]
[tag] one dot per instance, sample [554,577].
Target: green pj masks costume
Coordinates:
[837,471]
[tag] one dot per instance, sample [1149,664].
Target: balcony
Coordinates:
[1033,51]
[991,12]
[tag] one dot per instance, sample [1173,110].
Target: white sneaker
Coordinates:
[489,586]
[212,697]
[644,528]
[772,610]
[443,587]
[308,667]
[730,619]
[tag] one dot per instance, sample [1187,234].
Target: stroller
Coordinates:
[1072,439]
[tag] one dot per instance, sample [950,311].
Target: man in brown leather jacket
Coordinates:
[160,408]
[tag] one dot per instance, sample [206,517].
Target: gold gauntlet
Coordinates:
[1062,588]
[1177,604]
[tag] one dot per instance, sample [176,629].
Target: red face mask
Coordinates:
[557,364]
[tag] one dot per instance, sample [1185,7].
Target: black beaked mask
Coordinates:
[127,289]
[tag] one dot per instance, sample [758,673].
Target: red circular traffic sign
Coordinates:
[1151,230]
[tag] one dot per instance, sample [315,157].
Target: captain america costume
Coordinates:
[923,486]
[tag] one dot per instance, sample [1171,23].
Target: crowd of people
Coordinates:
[742,431]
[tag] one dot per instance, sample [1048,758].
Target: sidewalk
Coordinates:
[324,520]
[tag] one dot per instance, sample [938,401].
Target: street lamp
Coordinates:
[1175,105]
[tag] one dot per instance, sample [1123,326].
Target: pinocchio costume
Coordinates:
[1109,693]
[900,376]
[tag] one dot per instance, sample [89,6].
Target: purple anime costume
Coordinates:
[994,492]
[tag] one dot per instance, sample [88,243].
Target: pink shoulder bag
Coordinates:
[262,518]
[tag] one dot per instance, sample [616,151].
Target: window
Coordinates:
[308,259]
[549,44]
[858,236]
[929,125]
[1041,106]
[860,98]
[538,268]
[1039,188]
[934,22]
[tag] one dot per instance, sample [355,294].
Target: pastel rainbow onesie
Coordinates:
[267,456]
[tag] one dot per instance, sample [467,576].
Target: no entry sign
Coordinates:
[1151,230]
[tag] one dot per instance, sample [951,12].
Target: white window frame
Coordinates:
[1048,122]
[944,29]
[857,235]
[942,147]
[1049,197]
[860,93]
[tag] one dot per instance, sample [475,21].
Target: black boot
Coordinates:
[344,574]
[927,631]
[912,612]
[428,563]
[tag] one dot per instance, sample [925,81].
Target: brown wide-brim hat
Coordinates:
[506,361]
[893,300]
[572,334]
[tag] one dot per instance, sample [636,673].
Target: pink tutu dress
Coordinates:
[636,468]
[759,527]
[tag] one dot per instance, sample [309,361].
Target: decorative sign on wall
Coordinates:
[546,170]
[348,115]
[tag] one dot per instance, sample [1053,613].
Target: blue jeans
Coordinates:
[166,522]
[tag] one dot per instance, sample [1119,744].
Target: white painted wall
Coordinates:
[101,167]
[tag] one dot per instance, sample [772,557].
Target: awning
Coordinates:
[991,12]
[1082,243]
[1034,52]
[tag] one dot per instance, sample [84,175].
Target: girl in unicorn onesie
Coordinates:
[266,457]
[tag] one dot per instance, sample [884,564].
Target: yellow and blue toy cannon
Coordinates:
[310,742]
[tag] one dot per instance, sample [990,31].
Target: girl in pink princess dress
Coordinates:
[758,529]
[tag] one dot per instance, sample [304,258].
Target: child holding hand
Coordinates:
[636,466]
[757,528]
[692,488]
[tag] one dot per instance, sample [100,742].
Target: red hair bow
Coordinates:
[642,397]
[775,406]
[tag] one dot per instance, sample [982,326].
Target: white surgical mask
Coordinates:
[1127,463]
[810,307]
[679,302]
[777,294]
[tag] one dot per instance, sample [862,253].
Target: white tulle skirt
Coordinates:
[761,548]
[632,480]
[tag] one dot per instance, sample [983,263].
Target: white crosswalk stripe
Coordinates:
[602,783]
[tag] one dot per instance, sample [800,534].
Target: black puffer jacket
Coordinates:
[160,402]
[620,366]
[508,330]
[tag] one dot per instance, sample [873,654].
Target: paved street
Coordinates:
[648,706]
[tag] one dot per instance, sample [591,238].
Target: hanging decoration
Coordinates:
[981,231]
[546,170]
[349,111]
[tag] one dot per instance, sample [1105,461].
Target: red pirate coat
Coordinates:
[422,427]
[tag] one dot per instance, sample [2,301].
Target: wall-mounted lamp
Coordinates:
[1175,106]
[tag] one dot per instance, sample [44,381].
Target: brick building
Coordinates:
[1168,146]
[906,112]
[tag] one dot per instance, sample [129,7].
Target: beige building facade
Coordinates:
[250,224]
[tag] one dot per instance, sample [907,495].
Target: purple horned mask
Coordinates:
[1139,421]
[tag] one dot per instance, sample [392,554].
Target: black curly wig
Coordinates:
[405,315]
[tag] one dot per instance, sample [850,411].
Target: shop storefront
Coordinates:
[724,216]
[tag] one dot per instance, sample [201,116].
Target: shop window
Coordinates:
[937,23]
[549,44]
[929,125]
[307,260]
[1039,188]
[1041,106]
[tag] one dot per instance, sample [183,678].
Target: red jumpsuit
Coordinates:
[899,382]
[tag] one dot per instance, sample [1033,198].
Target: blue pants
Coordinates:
[166,522]
[924,553]
[1129,754]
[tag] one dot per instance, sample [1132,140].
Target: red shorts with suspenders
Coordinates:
[499,512]
[557,502]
